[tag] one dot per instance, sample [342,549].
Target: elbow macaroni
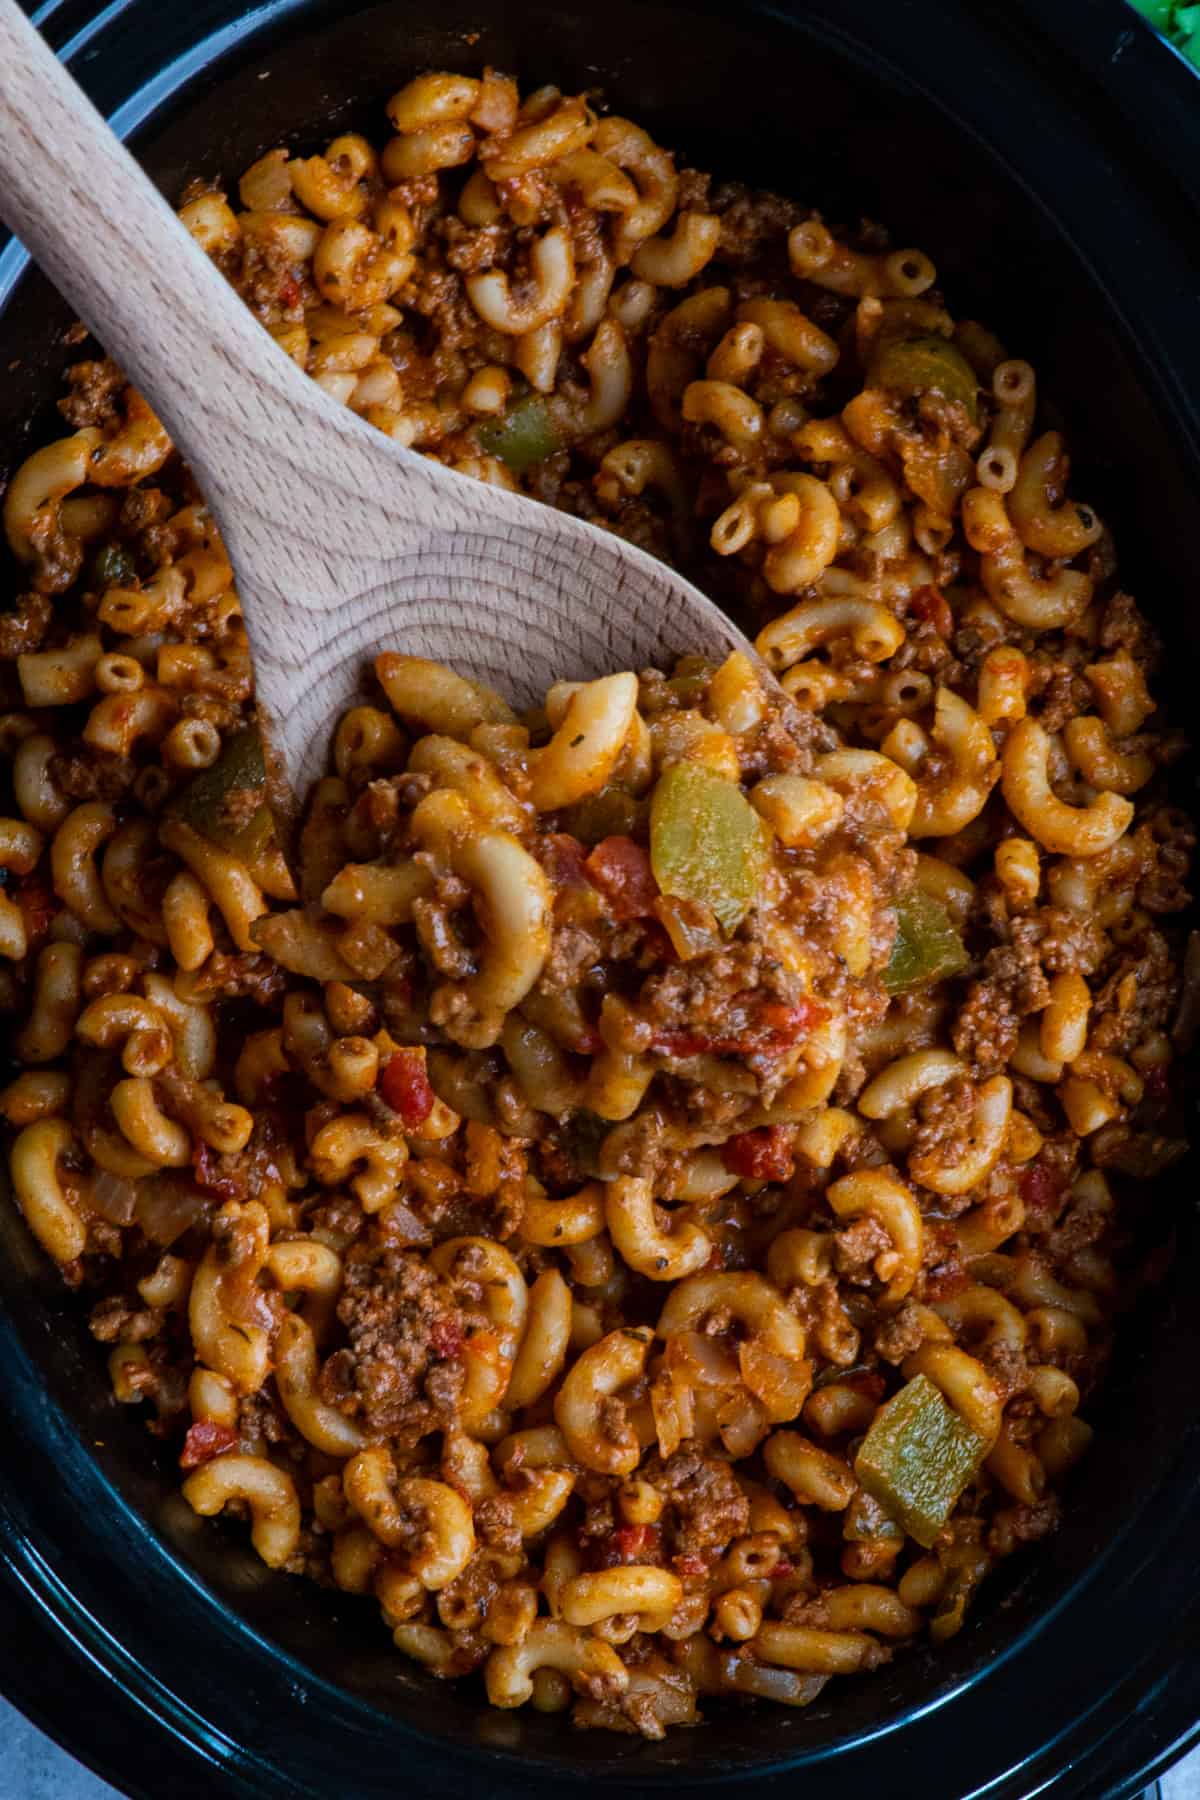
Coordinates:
[594,1165]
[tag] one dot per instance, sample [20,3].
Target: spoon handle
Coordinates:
[106,237]
[299,484]
[342,542]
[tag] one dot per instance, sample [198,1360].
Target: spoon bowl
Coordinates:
[343,543]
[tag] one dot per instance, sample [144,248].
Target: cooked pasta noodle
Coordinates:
[556,1206]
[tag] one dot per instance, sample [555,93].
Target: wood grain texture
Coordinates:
[342,543]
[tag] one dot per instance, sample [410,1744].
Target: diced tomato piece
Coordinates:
[782,1567]
[634,1543]
[289,290]
[779,1020]
[404,1086]
[776,1028]
[621,870]
[678,1043]
[206,1439]
[931,606]
[1041,1189]
[689,1564]
[564,858]
[763,1155]
[223,1185]
[446,1337]
[779,1026]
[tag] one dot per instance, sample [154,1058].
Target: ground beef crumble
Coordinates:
[707,1508]
[402,1371]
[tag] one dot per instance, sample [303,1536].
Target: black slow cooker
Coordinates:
[1048,157]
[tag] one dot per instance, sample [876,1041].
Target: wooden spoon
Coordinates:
[343,544]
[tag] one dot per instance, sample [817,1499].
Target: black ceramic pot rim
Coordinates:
[1137,1719]
[106,1704]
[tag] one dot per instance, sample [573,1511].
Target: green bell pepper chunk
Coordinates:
[583,1135]
[690,688]
[917,1458]
[927,947]
[202,803]
[1180,25]
[113,566]
[524,436]
[707,843]
[613,813]
[1159,12]
[1187,32]
[930,364]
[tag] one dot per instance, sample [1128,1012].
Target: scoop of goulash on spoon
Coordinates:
[342,543]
